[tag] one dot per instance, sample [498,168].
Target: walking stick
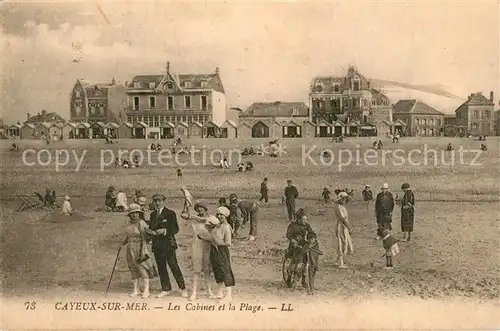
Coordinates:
[113,271]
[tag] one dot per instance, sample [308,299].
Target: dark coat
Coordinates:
[407,211]
[291,193]
[166,220]
[384,205]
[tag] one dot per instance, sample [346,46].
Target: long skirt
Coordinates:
[133,252]
[383,226]
[221,265]
[201,255]
[407,216]
[344,241]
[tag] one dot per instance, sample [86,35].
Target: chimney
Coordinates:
[217,70]
[28,116]
[126,83]
[168,67]
[113,81]
[491,96]
[368,84]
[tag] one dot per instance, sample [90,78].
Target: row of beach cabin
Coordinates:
[229,129]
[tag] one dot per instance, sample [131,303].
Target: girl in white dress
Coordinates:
[342,229]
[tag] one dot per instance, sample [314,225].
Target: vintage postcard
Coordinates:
[245,165]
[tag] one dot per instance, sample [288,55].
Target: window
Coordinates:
[474,125]
[333,103]
[190,119]
[431,121]
[203,102]
[91,110]
[336,87]
[365,119]
[187,101]
[486,114]
[184,119]
[77,93]
[156,121]
[204,84]
[152,84]
[101,110]
[476,113]
[354,103]
[152,102]
[356,85]
[137,85]
[170,118]
[136,103]
[170,86]
[129,119]
[78,111]
[170,102]
[425,121]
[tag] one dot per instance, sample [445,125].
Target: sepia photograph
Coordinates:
[250,165]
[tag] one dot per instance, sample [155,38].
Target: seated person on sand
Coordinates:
[152,147]
[241,166]
[449,147]
[13,147]
[126,164]
[483,147]
[158,147]
[259,151]
[110,200]
[50,198]
[245,152]
[251,151]
[249,166]
[121,201]
[66,208]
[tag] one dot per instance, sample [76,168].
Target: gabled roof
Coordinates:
[354,123]
[414,106]
[141,124]
[112,125]
[473,100]
[398,121]
[194,81]
[324,123]
[29,125]
[45,124]
[73,125]
[266,123]
[291,123]
[229,122]
[101,124]
[182,124]
[213,123]
[195,123]
[276,109]
[168,125]
[338,123]
[129,125]
[45,117]
[15,125]
[248,125]
[84,124]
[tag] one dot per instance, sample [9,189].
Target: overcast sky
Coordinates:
[265,51]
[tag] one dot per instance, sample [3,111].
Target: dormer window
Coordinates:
[336,87]
[152,84]
[187,84]
[77,93]
[204,84]
[355,85]
[295,112]
[137,85]
[170,86]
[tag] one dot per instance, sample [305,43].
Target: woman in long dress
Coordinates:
[342,229]
[139,259]
[220,257]
[202,242]
[407,211]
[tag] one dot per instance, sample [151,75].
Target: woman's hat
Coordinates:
[135,208]
[341,196]
[142,200]
[212,220]
[385,185]
[233,197]
[405,186]
[67,198]
[367,186]
[222,211]
[111,188]
[201,204]
[159,196]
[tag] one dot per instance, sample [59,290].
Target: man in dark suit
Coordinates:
[164,221]
[290,195]
[384,205]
